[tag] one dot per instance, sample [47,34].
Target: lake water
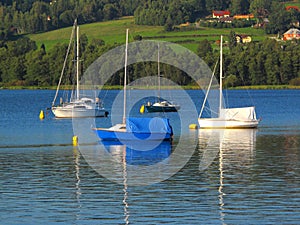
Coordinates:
[231,177]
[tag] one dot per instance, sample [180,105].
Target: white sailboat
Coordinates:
[77,106]
[244,117]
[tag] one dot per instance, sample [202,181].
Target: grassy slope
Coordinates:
[293,3]
[114,32]
[110,32]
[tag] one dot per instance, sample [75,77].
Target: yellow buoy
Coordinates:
[142,109]
[42,115]
[75,140]
[193,126]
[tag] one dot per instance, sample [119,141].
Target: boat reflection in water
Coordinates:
[146,161]
[121,157]
[236,145]
[235,150]
[128,164]
[149,153]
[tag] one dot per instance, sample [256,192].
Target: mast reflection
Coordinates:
[76,156]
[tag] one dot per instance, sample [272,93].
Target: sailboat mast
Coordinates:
[221,74]
[125,79]
[77,63]
[158,73]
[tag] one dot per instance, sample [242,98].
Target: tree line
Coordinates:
[169,13]
[268,62]
[31,16]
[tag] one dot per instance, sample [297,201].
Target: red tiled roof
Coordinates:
[221,13]
[292,7]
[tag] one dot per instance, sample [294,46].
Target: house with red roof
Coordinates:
[220,14]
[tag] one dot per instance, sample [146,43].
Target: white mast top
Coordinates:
[221,74]
[125,78]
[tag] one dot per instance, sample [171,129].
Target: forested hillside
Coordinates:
[264,62]
[30,16]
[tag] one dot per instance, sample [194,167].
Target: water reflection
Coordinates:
[126,206]
[148,164]
[118,151]
[125,155]
[149,153]
[76,156]
[235,150]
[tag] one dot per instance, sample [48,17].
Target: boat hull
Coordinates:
[61,112]
[111,135]
[138,129]
[214,123]
[153,108]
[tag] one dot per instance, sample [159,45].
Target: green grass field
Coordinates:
[293,3]
[114,32]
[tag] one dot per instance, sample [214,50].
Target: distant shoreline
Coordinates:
[265,87]
[189,87]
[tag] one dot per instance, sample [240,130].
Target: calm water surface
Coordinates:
[233,177]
